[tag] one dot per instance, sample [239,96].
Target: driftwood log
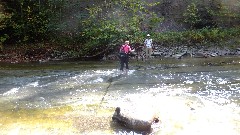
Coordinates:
[131,122]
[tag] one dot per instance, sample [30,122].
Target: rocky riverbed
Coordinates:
[188,96]
[179,52]
[48,53]
[182,51]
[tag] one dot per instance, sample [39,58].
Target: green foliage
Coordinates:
[3,26]
[211,14]
[112,23]
[3,18]
[201,36]
[191,16]
[28,22]
[108,23]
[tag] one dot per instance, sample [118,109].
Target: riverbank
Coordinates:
[45,53]
[179,52]
[35,53]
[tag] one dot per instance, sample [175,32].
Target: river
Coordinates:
[190,96]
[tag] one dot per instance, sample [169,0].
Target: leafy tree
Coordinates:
[3,25]
[211,14]
[114,21]
[28,22]
[191,15]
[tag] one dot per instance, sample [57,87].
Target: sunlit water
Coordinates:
[191,96]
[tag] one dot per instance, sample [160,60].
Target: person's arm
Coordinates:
[145,43]
[152,43]
[131,50]
[121,48]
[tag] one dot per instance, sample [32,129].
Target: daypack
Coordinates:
[122,52]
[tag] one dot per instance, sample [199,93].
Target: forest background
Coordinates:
[42,29]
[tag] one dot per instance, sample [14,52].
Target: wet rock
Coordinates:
[200,55]
[238,51]
[131,122]
[180,55]
[157,53]
[213,54]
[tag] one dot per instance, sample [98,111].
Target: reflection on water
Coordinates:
[190,96]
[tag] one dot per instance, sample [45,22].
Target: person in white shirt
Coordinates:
[148,45]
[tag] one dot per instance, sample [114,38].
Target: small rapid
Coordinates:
[189,97]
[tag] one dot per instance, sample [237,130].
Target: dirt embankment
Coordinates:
[34,53]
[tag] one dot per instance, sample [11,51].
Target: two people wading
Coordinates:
[125,49]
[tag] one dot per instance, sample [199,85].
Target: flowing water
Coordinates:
[190,96]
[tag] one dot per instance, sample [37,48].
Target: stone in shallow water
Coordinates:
[136,123]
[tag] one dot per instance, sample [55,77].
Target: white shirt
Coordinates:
[148,43]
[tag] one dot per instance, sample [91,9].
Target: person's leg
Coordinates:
[126,62]
[121,63]
[143,52]
[146,53]
[150,52]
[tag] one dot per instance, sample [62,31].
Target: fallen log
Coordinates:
[131,122]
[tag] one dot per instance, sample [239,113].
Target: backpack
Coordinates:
[122,52]
[122,49]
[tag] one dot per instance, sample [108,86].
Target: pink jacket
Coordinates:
[125,48]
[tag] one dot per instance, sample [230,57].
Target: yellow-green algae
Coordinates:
[57,120]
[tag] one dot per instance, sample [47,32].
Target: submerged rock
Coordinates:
[131,122]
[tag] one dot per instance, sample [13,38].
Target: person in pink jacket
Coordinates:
[124,55]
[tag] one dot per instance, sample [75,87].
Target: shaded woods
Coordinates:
[57,29]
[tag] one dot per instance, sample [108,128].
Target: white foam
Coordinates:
[12,91]
[34,84]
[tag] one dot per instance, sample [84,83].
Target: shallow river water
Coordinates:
[190,96]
